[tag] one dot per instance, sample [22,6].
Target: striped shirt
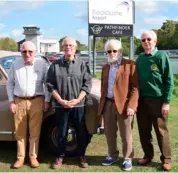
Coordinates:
[111,79]
[27,80]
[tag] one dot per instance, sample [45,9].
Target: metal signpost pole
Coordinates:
[89,52]
[131,52]
[94,56]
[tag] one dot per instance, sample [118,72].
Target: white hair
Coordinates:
[29,43]
[151,33]
[112,42]
[73,40]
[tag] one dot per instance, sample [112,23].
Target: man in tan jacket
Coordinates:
[118,103]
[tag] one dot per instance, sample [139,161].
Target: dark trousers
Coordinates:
[77,116]
[148,115]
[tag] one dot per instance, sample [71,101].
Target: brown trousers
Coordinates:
[29,114]
[148,115]
[125,124]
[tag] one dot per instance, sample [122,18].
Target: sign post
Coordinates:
[111,18]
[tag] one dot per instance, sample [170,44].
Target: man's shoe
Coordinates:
[167,166]
[83,162]
[127,165]
[34,163]
[57,163]
[144,161]
[100,130]
[19,163]
[109,161]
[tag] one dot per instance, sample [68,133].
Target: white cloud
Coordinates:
[2,26]
[82,35]
[155,20]
[49,33]
[17,33]
[52,29]
[81,12]
[10,6]
[173,1]
[147,7]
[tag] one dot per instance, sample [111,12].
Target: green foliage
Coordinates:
[167,35]
[175,91]
[8,44]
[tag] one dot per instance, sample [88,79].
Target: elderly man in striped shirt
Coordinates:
[28,99]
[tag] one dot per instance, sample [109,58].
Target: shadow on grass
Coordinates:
[8,151]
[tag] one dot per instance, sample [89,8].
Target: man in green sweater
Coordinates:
[156,86]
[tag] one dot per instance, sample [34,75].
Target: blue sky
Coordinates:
[57,19]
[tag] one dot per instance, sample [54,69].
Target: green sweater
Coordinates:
[155,75]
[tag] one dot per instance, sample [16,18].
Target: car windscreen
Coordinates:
[6,62]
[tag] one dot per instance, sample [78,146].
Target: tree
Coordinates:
[8,44]
[166,35]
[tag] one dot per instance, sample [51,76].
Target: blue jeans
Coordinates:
[77,117]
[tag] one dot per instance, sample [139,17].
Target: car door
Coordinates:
[6,117]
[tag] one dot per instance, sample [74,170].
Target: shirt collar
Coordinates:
[67,61]
[153,52]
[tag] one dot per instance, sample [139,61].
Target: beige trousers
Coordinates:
[112,121]
[29,114]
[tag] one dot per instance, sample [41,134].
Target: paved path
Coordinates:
[96,87]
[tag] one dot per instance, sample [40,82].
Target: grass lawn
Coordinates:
[96,152]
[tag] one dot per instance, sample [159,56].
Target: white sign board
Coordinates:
[111,12]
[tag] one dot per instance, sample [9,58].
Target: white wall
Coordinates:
[49,47]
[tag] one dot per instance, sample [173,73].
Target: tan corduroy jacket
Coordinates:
[125,86]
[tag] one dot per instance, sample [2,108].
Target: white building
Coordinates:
[32,33]
[49,46]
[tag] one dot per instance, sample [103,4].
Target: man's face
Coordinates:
[69,47]
[113,53]
[148,43]
[28,52]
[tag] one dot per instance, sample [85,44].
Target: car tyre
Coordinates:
[49,136]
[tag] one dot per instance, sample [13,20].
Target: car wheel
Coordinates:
[49,135]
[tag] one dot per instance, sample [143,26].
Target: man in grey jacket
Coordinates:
[69,80]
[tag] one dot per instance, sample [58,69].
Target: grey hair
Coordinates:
[74,41]
[149,32]
[29,43]
[113,42]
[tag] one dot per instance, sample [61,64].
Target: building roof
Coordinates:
[49,41]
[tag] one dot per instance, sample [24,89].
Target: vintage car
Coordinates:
[49,130]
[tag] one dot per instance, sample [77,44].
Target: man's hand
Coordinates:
[74,102]
[65,103]
[165,109]
[46,106]
[130,112]
[12,107]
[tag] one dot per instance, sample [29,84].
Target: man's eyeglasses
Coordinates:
[68,45]
[110,51]
[148,39]
[29,51]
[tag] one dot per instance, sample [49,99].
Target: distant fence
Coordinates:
[174,63]
[101,60]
